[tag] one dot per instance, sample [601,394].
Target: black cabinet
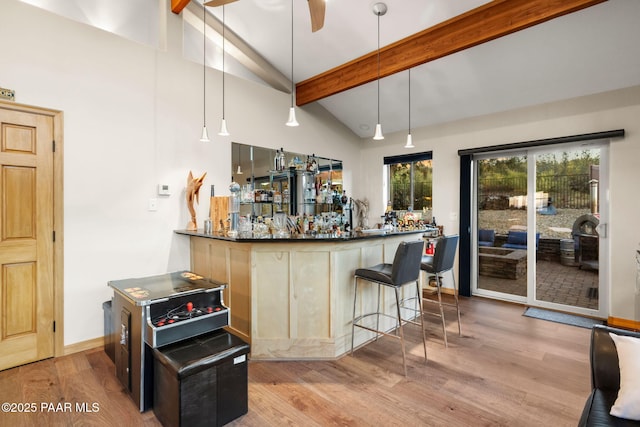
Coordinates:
[201,381]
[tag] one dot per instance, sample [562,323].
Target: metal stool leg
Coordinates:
[421,314]
[353,323]
[455,296]
[378,313]
[404,358]
[444,327]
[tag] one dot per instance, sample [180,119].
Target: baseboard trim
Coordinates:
[84,346]
[617,322]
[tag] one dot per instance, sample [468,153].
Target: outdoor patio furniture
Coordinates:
[518,240]
[502,263]
[486,237]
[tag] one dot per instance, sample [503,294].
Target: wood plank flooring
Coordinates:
[505,370]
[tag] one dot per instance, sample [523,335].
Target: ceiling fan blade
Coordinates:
[316,9]
[216,3]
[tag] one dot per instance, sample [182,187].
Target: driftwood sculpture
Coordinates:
[363,213]
[193,189]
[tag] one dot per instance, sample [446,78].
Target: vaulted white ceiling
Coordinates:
[586,52]
[590,51]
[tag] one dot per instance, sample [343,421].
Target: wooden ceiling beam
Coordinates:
[485,23]
[178,5]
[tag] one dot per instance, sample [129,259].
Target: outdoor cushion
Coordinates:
[486,237]
[518,240]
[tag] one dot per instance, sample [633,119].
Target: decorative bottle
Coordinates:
[344,199]
[283,160]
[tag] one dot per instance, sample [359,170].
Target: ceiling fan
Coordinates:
[316,9]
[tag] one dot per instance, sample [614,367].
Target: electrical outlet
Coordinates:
[153,205]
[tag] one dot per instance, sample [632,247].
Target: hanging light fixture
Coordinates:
[379,9]
[239,171]
[205,134]
[223,124]
[292,111]
[409,143]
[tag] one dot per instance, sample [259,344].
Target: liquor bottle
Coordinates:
[283,160]
[276,161]
[344,199]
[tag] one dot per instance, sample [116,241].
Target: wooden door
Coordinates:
[26,238]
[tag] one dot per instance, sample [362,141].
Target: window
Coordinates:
[410,180]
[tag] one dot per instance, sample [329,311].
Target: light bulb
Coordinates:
[205,135]
[292,118]
[409,143]
[378,134]
[223,128]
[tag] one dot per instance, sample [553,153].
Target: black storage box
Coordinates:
[109,342]
[201,381]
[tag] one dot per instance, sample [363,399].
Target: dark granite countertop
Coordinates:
[344,237]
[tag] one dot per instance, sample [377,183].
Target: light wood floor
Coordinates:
[506,370]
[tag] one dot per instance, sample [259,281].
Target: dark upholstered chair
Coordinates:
[436,265]
[486,237]
[605,379]
[405,270]
[518,240]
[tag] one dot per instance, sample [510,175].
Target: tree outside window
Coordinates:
[410,182]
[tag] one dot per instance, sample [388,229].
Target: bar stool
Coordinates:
[437,264]
[404,271]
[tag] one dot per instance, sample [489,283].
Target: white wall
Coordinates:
[608,111]
[132,120]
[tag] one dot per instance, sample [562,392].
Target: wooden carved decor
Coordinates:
[193,189]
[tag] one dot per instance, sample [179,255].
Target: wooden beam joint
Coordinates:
[178,5]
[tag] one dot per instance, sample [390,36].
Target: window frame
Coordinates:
[412,159]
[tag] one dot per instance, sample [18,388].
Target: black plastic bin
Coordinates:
[201,381]
[109,342]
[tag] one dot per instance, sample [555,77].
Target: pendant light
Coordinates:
[205,134]
[379,9]
[223,124]
[239,171]
[292,111]
[409,143]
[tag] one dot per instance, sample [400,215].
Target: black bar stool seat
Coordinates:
[405,270]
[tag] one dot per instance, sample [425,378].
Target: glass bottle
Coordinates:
[276,161]
[283,160]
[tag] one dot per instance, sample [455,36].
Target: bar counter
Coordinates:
[292,298]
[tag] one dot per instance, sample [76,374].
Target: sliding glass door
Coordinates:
[540,227]
[501,208]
